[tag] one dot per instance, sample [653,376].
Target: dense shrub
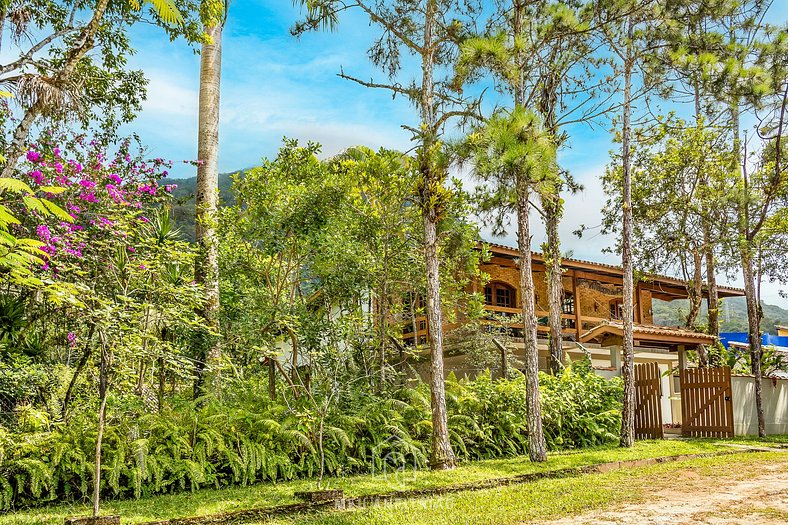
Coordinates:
[247,438]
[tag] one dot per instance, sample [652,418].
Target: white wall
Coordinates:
[775,405]
[665,395]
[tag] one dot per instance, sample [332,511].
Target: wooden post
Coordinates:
[682,358]
[638,305]
[504,367]
[615,358]
[578,315]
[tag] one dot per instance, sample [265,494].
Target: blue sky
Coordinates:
[274,85]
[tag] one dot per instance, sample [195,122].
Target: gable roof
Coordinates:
[649,333]
[664,286]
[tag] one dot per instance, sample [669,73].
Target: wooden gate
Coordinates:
[648,405]
[706,402]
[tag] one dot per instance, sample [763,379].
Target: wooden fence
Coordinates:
[706,402]
[648,405]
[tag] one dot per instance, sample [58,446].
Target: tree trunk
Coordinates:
[695,290]
[537,448]
[206,199]
[162,382]
[414,299]
[21,134]
[753,323]
[628,350]
[555,286]
[271,378]
[748,273]
[713,301]
[383,328]
[442,453]
[80,366]
[103,390]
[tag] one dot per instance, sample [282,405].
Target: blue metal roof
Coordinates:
[742,337]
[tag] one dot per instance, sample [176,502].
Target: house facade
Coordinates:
[591,317]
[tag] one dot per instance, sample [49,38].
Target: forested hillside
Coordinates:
[733,314]
[183,200]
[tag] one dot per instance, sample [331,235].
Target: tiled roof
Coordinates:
[654,331]
[616,268]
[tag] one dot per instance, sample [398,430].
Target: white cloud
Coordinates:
[170,94]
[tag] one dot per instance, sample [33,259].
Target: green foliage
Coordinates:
[512,155]
[18,255]
[246,438]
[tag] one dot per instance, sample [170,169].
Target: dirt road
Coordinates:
[690,498]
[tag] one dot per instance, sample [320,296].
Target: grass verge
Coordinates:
[207,501]
[550,498]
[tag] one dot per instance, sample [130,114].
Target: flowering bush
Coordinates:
[108,245]
[103,196]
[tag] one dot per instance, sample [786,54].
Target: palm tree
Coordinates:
[207,194]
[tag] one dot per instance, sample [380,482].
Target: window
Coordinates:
[499,294]
[503,297]
[568,305]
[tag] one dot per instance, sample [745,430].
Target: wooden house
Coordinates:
[591,316]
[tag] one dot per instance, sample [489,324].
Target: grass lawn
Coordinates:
[564,498]
[209,501]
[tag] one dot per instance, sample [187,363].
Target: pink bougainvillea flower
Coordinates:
[169,187]
[43,232]
[148,188]
[58,167]
[113,192]
[37,177]
[115,178]
[131,249]
[87,184]
[72,339]
[88,196]
[33,156]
